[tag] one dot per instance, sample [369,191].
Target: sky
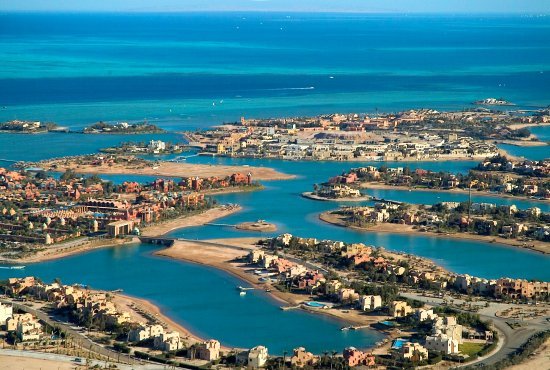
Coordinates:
[401,6]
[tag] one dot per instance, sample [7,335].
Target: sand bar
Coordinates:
[169,169]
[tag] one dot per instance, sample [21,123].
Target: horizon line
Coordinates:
[312,12]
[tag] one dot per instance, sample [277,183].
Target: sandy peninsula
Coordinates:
[391,228]
[221,254]
[210,215]
[169,169]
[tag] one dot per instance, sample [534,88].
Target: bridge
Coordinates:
[159,240]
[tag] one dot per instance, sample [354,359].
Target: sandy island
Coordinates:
[338,220]
[170,169]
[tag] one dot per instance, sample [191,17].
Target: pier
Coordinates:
[221,225]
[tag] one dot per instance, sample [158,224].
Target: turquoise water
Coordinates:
[189,71]
[204,299]
[79,68]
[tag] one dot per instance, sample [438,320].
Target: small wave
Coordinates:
[293,88]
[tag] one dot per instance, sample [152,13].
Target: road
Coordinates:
[71,360]
[75,335]
[511,339]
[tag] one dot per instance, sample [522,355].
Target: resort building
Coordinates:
[169,341]
[119,228]
[400,309]
[13,322]
[413,352]
[442,343]
[347,295]
[423,315]
[447,325]
[209,350]
[6,312]
[257,357]
[353,357]
[29,330]
[144,332]
[332,287]
[370,302]
[302,358]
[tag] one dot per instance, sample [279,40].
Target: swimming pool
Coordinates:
[398,343]
[315,304]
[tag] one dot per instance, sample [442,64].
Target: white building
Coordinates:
[257,357]
[423,315]
[370,302]
[169,341]
[145,332]
[6,312]
[442,343]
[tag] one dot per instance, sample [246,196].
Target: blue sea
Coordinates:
[189,71]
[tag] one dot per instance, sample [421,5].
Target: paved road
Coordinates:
[75,335]
[512,339]
[71,360]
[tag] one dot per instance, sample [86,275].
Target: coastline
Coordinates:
[380,186]
[219,254]
[57,252]
[168,169]
[539,247]
[310,195]
[163,228]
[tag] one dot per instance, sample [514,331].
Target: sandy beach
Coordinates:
[534,245]
[169,169]
[136,306]
[212,214]
[517,126]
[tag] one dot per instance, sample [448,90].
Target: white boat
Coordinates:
[17,267]
[242,289]
[242,293]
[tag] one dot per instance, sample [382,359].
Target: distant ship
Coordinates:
[12,267]
[493,101]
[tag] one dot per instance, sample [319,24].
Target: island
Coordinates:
[495,176]
[413,135]
[29,127]
[135,165]
[527,228]
[152,147]
[122,128]
[493,101]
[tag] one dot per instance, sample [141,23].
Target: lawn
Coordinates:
[470,348]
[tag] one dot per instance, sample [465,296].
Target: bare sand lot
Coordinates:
[170,169]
